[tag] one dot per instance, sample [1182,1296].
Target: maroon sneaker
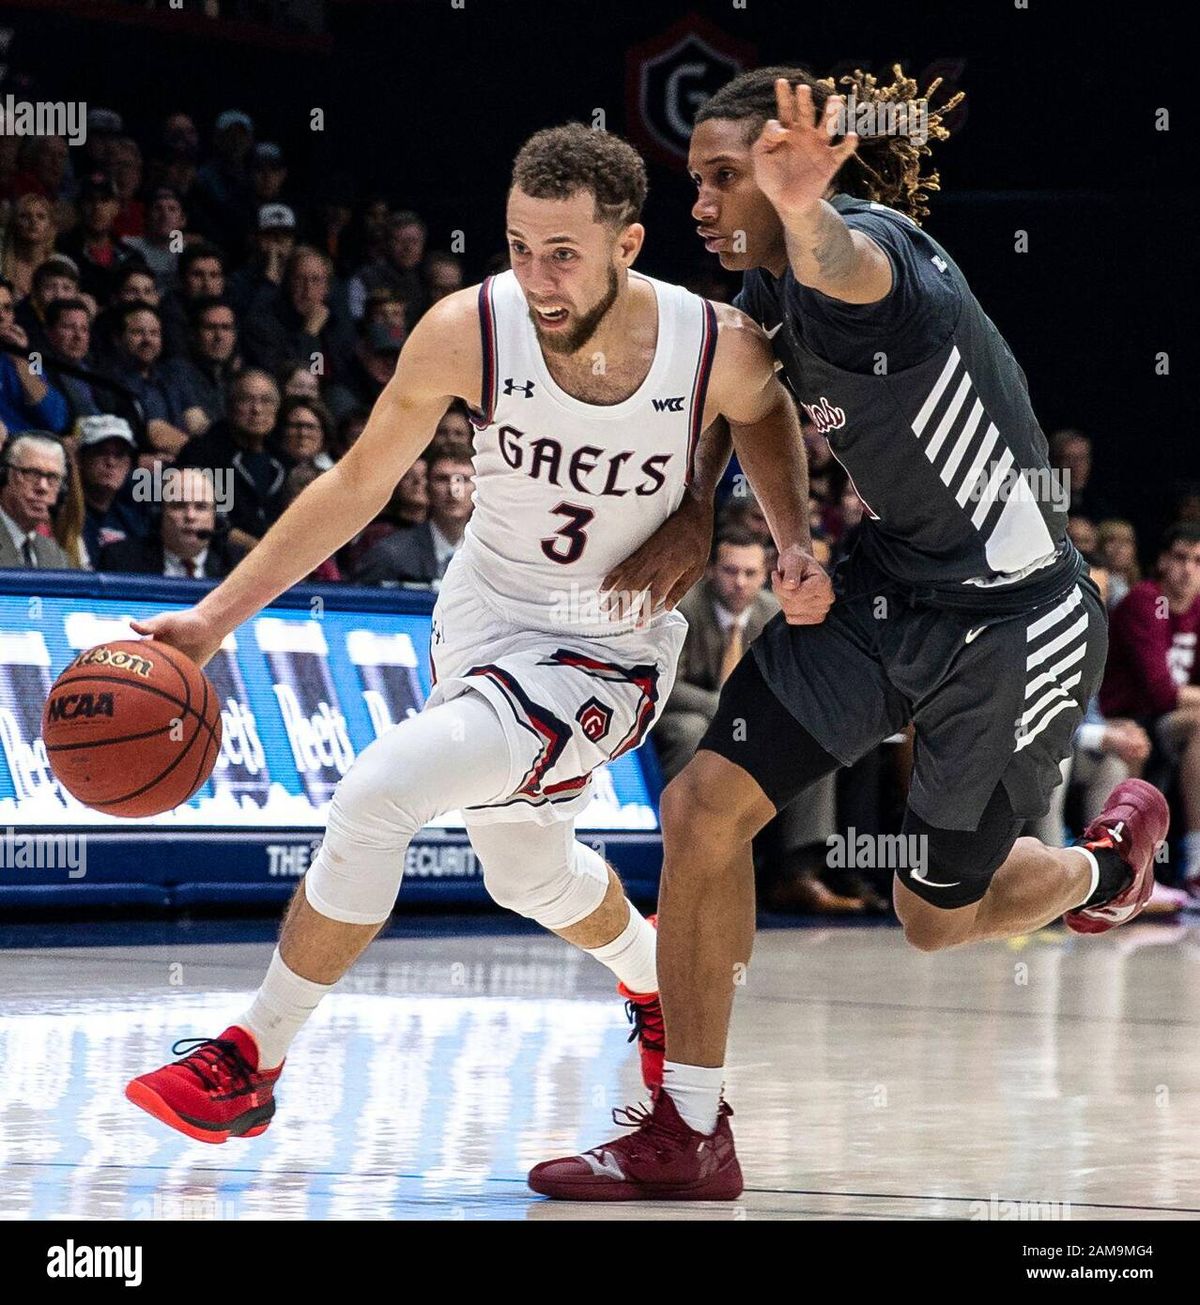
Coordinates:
[215,1092]
[1133,824]
[663,1160]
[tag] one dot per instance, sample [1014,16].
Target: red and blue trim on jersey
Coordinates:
[552,734]
[482,419]
[704,361]
[644,678]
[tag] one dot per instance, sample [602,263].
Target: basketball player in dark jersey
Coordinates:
[964,609]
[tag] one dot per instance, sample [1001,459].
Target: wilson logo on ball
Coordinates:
[117,659]
[594,718]
[67,706]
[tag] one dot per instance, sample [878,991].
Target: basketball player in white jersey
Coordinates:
[594,389]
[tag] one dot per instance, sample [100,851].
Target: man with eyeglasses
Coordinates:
[34,466]
[234,448]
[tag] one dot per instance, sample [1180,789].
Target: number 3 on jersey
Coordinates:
[572,534]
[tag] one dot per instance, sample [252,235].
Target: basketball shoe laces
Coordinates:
[647,1024]
[217,1063]
[652,1139]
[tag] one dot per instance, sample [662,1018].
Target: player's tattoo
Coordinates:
[833,248]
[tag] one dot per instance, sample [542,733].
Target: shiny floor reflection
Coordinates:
[870,1081]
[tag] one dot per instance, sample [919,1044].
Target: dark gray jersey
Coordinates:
[925,406]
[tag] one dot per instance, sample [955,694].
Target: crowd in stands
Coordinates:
[172,317]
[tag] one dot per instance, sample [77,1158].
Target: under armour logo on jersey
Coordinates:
[526,387]
[668,405]
[824,416]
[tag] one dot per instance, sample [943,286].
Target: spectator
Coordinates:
[454,426]
[201,271]
[164,399]
[45,170]
[743,509]
[125,168]
[28,241]
[133,284]
[408,507]
[421,555]
[1071,452]
[826,476]
[274,244]
[26,401]
[1152,668]
[268,173]
[399,269]
[69,333]
[304,431]
[297,381]
[333,219]
[69,514]
[370,369]
[236,447]
[107,450]
[160,246]
[1117,548]
[726,612]
[1084,536]
[176,165]
[188,542]
[367,240]
[296,321]
[34,471]
[56,278]
[221,202]
[443,275]
[205,375]
[299,478]
[93,244]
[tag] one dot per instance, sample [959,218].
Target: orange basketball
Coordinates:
[132,728]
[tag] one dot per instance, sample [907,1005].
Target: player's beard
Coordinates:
[575,337]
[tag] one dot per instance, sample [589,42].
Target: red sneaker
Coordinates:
[215,1092]
[645,1014]
[664,1160]
[1133,824]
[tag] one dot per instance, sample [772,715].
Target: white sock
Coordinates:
[1191,855]
[696,1091]
[630,955]
[279,1010]
[1091,858]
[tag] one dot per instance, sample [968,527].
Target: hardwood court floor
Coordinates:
[869,1081]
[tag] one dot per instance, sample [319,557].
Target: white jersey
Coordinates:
[564,490]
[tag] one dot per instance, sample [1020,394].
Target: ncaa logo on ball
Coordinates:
[594,719]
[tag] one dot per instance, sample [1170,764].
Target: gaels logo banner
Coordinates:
[669,76]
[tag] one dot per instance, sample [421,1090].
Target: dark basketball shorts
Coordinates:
[995,703]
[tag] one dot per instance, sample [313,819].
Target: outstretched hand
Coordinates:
[795,157]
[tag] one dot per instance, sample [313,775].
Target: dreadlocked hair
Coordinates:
[886,167]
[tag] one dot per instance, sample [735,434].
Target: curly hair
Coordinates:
[561,161]
[886,167]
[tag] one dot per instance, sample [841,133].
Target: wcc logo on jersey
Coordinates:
[824,416]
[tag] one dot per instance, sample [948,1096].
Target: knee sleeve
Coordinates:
[454,755]
[540,871]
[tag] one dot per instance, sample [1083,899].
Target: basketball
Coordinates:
[132,728]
